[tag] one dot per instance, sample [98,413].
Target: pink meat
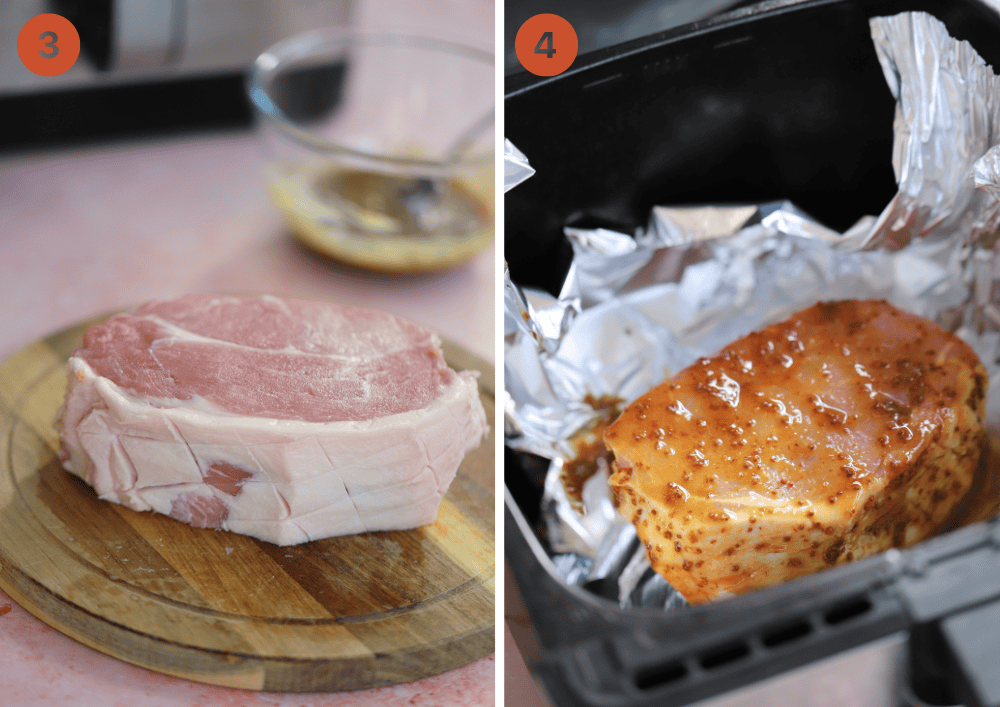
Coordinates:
[288,420]
[286,359]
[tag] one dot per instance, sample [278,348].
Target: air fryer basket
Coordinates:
[781,100]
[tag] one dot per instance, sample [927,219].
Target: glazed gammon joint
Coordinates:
[849,428]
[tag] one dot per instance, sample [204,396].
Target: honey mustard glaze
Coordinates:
[847,429]
[591,454]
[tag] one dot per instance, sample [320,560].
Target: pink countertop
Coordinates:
[88,230]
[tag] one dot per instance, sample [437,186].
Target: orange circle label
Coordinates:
[48,44]
[546,45]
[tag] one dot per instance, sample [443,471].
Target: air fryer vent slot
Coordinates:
[847,610]
[660,675]
[786,634]
[724,656]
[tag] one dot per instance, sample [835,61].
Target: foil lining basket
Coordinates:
[636,308]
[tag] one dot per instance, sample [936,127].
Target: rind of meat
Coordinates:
[848,429]
[285,481]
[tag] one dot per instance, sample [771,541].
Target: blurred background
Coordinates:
[146,65]
[140,174]
[144,178]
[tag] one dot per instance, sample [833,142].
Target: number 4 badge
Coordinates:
[546,45]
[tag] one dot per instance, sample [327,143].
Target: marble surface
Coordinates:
[87,230]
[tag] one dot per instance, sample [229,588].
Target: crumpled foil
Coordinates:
[636,308]
[515,166]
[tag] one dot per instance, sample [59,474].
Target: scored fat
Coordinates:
[284,419]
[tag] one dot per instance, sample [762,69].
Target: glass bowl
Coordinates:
[379,148]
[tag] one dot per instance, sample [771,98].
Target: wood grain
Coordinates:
[344,613]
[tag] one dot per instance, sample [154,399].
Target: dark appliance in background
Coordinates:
[147,66]
[784,99]
[599,23]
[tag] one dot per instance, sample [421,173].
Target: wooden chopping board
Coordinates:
[339,614]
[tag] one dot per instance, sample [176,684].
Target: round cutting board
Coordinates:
[344,613]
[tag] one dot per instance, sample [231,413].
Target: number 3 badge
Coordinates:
[546,45]
[48,45]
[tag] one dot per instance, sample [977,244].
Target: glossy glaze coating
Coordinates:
[850,428]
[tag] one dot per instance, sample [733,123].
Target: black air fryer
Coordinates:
[807,116]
